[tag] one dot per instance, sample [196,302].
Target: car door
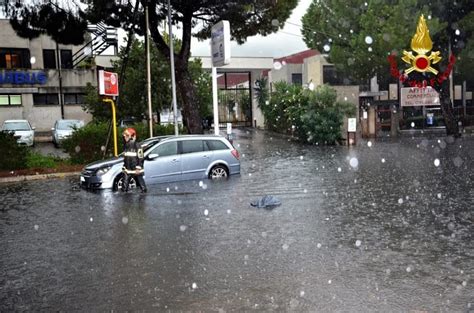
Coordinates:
[163,164]
[195,158]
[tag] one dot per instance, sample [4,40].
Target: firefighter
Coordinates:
[133,160]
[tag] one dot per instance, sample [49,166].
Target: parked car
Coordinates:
[22,131]
[63,129]
[169,159]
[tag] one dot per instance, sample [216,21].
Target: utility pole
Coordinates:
[173,80]
[148,71]
[61,102]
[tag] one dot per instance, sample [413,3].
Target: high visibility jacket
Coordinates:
[133,157]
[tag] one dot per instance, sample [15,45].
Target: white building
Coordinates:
[34,87]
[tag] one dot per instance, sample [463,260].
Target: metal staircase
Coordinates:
[103,38]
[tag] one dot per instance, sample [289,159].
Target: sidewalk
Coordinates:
[20,178]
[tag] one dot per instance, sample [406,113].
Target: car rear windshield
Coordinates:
[16,126]
[67,125]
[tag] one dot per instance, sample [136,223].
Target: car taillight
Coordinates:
[235,153]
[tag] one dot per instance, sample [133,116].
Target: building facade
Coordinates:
[41,81]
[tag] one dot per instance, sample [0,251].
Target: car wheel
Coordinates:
[118,183]
[218,172]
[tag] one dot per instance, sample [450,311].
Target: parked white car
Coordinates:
[63,129]
[22,131]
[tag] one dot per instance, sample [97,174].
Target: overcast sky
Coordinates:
[286,41]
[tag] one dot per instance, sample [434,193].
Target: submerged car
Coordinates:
[169,159]
[22,131]
[63,129]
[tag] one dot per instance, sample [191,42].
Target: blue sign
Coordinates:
[23,78]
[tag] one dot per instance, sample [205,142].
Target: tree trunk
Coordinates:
[450,120]
[189,99]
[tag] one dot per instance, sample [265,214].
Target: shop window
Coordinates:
[10,100]
[66,58]
[49,58]
[14,58]
[45,99]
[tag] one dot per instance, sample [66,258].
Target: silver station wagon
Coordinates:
[169,159]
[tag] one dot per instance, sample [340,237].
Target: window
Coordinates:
[73,98]
[332,77]
[11,58]
[10,100]
[190,146]
[49,58]
[166,149]
[216,145]
[45,99]
[66,58]
[297,79]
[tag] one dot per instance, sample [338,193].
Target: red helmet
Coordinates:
[131,132]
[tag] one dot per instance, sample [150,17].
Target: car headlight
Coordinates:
[101,171]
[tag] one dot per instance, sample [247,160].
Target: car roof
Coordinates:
[203,136]
[15,121]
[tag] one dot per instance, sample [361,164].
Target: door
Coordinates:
[195,158]
[166,166]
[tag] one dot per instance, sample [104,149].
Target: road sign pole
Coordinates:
[114,122]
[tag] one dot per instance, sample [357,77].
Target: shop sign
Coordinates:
[23,78]
[415,96]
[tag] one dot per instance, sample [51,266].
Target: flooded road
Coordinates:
[382,227]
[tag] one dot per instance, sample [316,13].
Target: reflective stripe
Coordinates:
[130,154]
[133,171]
[140,153]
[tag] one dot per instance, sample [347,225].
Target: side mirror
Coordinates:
[33,128]
[152,156]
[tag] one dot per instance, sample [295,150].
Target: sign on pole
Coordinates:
[220,43]
[351,124]
[416,96]
[108,83]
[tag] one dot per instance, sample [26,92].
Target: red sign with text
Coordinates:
[108,83]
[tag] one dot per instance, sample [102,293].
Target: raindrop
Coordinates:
[32,60]
[283,63]
[200,183]
[457,32]
[91,219]
[400,201]
[358,243]
[36,227]
[264,234]
[194,286]
[277,65]
[409,269]
[351,31]
[369,144]
[301,293]
[354,162]
[464,283]
[369,40]
[228,211]
[339,169]
[301,157]
[457,161]
[429,17]
[439,196]
[350,61]
[311,86]
[77,149]
[285,247]
[436,162]
[329,282]
[125,220]
[305,190]
[167,190]
[326,48]
[204,186]
[275,22]
[412,124]
[318,245]
[206,212]
[383,160]
[102,148]
[369,49]
[183,228]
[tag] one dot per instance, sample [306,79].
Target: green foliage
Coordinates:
[87,144]
[12,156]
[262,91]
[312,116]
[37,160]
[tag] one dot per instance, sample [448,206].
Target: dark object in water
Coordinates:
[267,201]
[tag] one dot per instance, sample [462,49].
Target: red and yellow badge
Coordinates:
[421,43]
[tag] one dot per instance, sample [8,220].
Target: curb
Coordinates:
[37,177]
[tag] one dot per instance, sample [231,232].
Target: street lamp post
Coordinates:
[173,81]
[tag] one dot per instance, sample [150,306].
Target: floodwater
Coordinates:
[386,226]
